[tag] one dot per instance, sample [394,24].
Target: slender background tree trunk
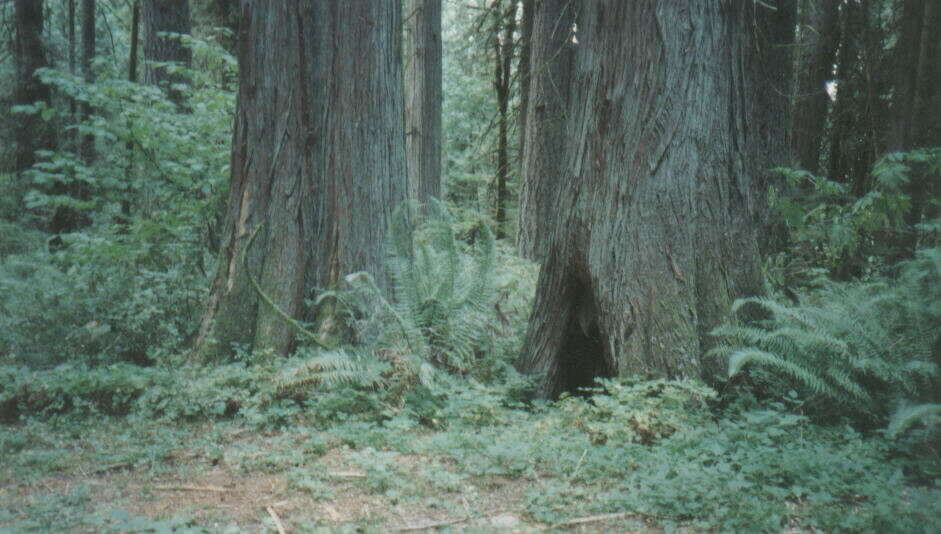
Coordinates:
[170,16]
[503,50]
[816,54]
[525,68]
[88,54]
[916,107]
[32,133]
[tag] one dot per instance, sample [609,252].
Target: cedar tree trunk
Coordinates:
[655,231]
[318,162]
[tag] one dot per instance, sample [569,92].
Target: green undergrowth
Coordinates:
[657,452]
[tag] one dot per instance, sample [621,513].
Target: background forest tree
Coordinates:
[728,212]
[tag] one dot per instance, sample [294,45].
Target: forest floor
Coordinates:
[122,476]
[608,464]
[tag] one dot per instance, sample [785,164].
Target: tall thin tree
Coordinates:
[817,48]
[161,18]
[87,146]
[29,55]
[504,46]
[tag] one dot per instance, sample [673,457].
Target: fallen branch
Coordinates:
[593,519]
[348,474]
[427,526]
[277,520]
[192,488]
[113,467]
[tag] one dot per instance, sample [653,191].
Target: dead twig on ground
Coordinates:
[347,474]
[593,519]
[277,520]
[427,526]
[191,488]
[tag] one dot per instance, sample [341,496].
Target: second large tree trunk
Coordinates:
[655,231]
[318,162]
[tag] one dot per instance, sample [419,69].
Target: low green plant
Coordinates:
[312,482]
[642,412]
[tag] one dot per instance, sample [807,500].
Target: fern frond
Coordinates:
[331,369]
[741,358]
[905,417]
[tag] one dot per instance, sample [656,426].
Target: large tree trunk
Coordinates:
[423,98]
[655,230]
[819,37]
[32,133]
[318,162]
[166,16]
[550,74]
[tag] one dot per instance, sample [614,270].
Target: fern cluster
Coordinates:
[436,322]
[850,349]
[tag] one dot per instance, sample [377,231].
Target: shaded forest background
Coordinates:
[127,148]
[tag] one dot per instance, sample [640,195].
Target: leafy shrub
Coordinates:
[838,230]
[71,389]
[197,393]
[94,304]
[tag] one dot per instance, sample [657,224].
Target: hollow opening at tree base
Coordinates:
[582,355]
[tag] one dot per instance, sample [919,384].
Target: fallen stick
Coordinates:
[113,467]
[592,519]
[347,474]
[427,526]
[191,488]
[277,520]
